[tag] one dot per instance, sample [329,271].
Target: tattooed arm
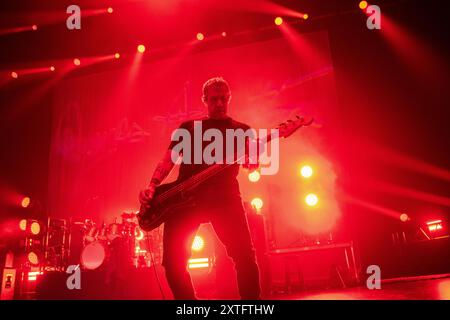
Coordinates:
[163,168]
[161,172]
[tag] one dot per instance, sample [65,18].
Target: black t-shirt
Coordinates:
[226,178]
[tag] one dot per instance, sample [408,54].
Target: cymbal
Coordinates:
[128,215]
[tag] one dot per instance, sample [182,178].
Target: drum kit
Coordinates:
[119,242]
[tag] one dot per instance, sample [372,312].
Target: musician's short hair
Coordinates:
[214,82]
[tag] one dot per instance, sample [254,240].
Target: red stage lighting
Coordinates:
[306,16]
[257,203]
[311,199]
[198,243]
[139,234]
[117,55]
[254,176]
[32,275]
[52,68]
[198,263]
[25,202]
[34,27]
[434,225]
[363,5]
[14,75]
[23,224]
[404,217]
[110,10]
[306,171]
[141,48]
[35,228]
[76,61]
[278,21]
[33,258]
[200,36]
[224,34]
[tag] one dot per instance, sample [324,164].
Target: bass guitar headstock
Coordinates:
[290,126]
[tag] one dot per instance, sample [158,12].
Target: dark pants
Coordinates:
[228,219]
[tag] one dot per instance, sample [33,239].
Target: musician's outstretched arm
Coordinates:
[161,172]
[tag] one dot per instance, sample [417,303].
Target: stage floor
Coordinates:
[53,286]
[412,288]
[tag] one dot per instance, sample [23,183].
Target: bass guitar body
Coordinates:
[162,206]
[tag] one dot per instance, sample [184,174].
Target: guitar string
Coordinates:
[203,175]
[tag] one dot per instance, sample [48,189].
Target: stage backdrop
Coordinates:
[111,128]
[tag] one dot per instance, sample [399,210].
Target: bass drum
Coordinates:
[94,255]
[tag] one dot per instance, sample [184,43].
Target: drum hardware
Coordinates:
[103,233]
[94,245]
[56,244]
[91,234]
[114,231]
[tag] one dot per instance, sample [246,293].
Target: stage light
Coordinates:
[306,171]
[257,203]
[139,234]
[110,10]
[76,61]
[25,202]
[14,75]
[52,68]
[254,176]
[35,228]
[23,224]
[200,36]
[278,21]
[198,243]
[305,16]
[311,199]
[363,5]
[117,55]
[34,27]
[198,263]
[33,258]
[32,275]
[444,290]
[434,225]
[141,48]
[404,217]
[224,34]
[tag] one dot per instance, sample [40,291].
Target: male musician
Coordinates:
[218,201]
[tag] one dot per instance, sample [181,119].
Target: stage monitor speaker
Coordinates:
[321,266]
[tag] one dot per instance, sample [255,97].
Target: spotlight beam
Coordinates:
[372,206]
[265,6]
[411,193]
[16,30]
